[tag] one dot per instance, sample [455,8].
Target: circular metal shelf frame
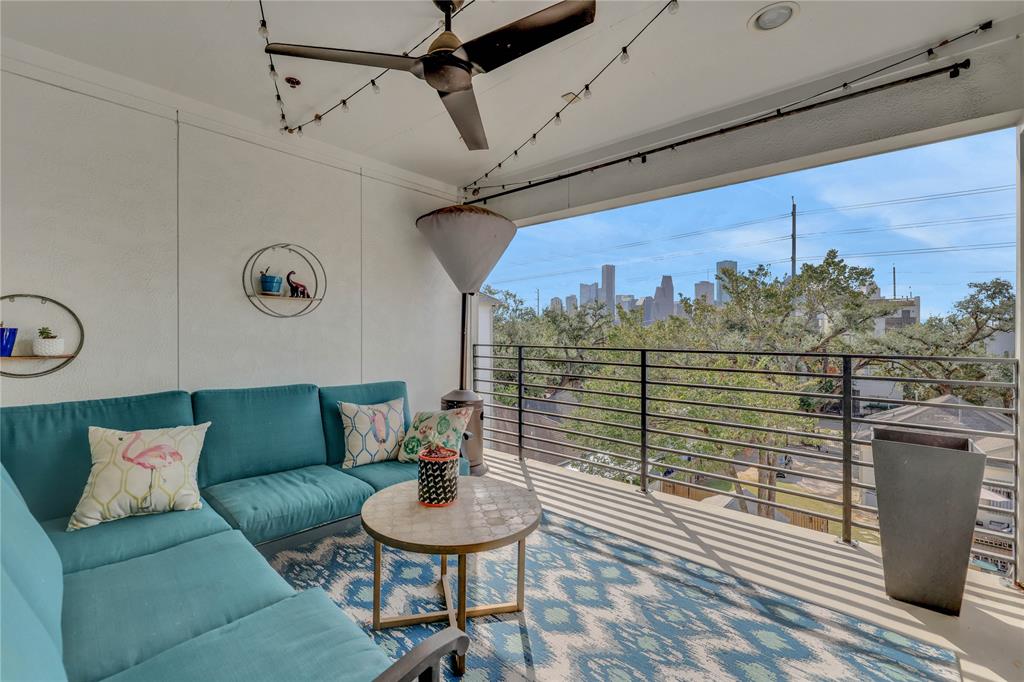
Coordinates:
[67,360]
[300,306]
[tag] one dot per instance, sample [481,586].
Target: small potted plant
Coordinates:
[270,284]
[48,343]
[7,338]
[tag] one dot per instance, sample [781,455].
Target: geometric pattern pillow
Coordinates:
[373,433]
[431,431]
[140,472]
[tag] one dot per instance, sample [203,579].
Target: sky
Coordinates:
[941,242]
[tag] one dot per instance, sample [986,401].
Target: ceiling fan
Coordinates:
[450,64]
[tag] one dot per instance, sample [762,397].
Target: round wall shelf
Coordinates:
[39,365]
[300,296]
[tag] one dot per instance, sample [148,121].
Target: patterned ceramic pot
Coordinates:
[48,347]
[439,477]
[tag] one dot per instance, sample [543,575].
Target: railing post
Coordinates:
[847,407]
[522,395]
[643,421]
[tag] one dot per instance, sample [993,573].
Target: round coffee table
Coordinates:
[487,514]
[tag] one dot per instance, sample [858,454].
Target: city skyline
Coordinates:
[943,214]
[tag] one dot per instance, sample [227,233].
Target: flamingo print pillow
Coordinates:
[373,433]
[140,472]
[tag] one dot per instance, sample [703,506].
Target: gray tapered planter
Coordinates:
[928,487]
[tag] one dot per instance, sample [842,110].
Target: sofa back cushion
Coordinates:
[31,564]
[361,394]
[28,651]
[46,447]
[258,431]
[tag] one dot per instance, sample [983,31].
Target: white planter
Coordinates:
[48,347]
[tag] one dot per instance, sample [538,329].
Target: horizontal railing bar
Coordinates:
[924,380]
[739,443]
[747,408]
[936,427]
[745,389]
[494,357]
[865,526]
[499,395]
[763,486]
[597,451]
[591,406]
[738,462]
[739,425]
[582,362]
[507,433]
[746,498]
[925,403]
[588,420]
[500,382]
[981,507]
[582,459]
[501,419]
[502,442]
[607,439]
[795,354]
[633,396]
[579,376]
[739,370]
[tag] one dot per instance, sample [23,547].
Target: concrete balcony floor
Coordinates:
[988,636]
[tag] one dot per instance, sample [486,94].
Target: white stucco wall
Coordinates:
[142,226]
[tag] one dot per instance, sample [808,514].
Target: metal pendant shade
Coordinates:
[468,240]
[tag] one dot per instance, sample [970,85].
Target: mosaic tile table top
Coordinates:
[600,607]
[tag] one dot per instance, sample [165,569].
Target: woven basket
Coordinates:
[438,477]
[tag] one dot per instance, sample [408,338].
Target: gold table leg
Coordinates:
[457,611]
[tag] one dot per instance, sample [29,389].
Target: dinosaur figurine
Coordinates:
[296,288]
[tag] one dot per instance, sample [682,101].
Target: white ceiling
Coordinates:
[700,60]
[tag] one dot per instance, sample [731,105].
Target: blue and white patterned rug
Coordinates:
[599,607]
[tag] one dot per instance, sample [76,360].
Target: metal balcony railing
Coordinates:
[747,424]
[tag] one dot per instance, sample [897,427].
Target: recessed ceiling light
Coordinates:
[292,82]
[773,16]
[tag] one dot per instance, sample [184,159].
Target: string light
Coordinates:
[672,7]
[558,122]
[299,131]
[372,84]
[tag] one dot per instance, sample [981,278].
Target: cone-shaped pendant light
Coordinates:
[468,240]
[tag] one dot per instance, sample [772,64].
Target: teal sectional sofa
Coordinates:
[186,595]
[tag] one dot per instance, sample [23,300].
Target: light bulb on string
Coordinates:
[558,119]
[624,55]
[586,91]
[318,120]
[299,131]
[283,130]
[262,30]
[375,87]
[673,6]
[344,105]
[533,139]
[273,71]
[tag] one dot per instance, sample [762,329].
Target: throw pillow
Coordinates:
[435,430]
[140,472]
[373,433]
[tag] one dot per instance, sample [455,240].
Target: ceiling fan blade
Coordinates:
[510,42]
[330,54]
[462,108]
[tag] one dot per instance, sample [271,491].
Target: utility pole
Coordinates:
[792,239]
[894,281]
[538,302]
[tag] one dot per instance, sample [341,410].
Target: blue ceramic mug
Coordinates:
[7,337]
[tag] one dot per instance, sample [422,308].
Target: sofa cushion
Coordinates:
[28,650]
[46,447]
[128,538]
[305,637]
[380,475]
[119,615]
[373,433]
[361,394]
[259,431]
[148,471]
[276,505]
[30,561]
